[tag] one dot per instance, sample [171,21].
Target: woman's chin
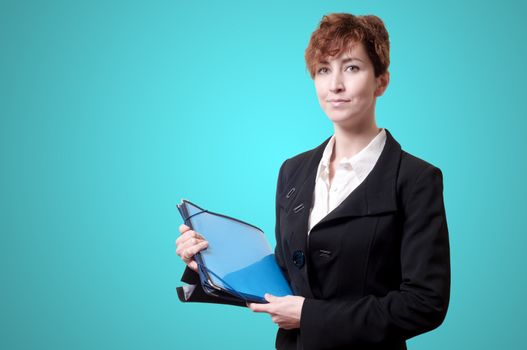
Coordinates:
[343,120]
[351,120]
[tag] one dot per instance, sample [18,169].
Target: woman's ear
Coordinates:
[382,83]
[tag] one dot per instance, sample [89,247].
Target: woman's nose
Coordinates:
[336,83]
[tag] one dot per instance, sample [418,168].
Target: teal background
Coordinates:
[112,111]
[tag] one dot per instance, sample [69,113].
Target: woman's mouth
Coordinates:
[337,102]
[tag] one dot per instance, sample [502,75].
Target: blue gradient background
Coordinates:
[112,111]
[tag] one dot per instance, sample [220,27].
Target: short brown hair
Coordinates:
[337,32]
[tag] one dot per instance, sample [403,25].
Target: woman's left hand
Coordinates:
[285,311]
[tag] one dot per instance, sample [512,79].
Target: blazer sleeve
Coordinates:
[419,305]
[279,255]
[193,292]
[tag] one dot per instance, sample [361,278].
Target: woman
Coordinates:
[361,232]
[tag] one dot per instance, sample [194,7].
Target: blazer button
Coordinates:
[299,258]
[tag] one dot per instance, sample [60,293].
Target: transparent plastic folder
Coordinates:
[239,262]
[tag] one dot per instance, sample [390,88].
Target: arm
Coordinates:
[195,293]
[279,255]
[420,303]
[187,245]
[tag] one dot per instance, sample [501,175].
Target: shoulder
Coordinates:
[416,173]
[411,166]
[292,165]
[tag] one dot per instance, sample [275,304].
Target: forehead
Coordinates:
[352,51]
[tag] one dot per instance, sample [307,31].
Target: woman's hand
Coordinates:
[284,311]
[188,245]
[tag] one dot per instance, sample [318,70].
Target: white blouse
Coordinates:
[349,174]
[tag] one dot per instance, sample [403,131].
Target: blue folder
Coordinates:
[239,263]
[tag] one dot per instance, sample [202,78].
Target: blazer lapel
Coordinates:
[376,194]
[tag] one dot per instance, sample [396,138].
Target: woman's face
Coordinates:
[347,87]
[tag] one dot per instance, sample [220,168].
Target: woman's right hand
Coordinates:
[188,245]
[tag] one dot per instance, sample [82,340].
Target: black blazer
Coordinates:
[376,270]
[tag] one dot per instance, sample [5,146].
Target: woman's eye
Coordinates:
[353,68]
[322,70]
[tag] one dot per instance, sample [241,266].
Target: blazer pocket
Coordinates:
[325,268]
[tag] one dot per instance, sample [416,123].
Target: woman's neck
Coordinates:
[350,141]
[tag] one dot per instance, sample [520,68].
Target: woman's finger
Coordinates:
[183,243]
[256,307]
[193,265]
[188,253]
[184,236]
[183,228]
[189,243]
[188,235]
[270,297]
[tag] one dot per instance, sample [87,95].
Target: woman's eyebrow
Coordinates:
[349,59]
[345,60]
